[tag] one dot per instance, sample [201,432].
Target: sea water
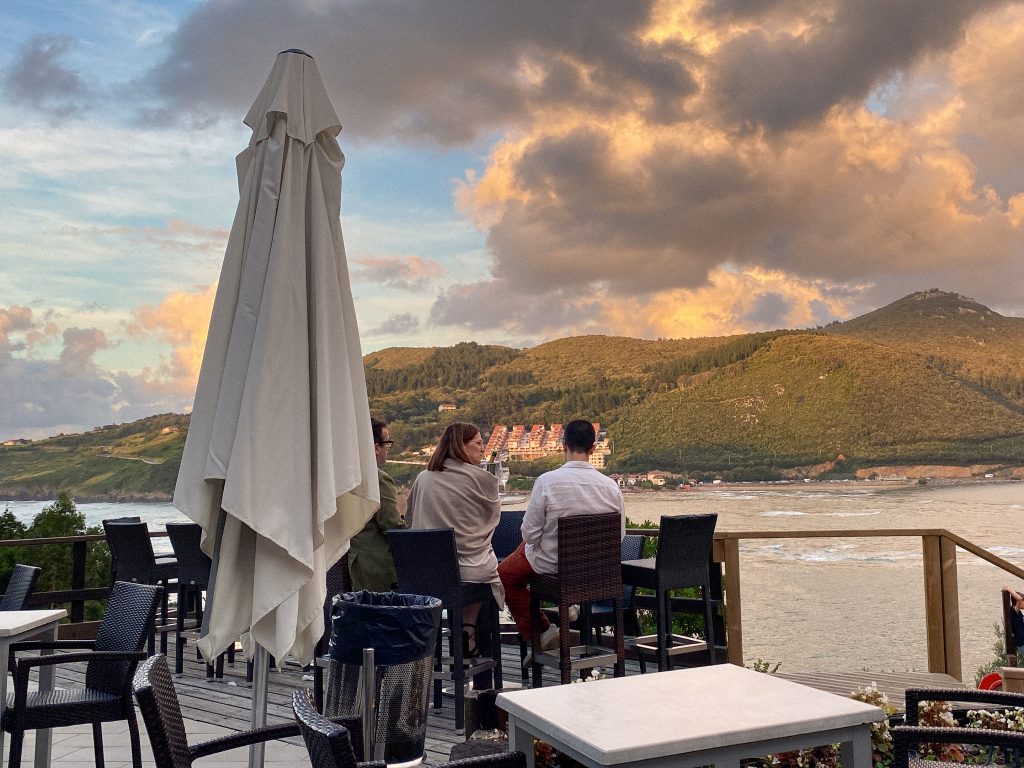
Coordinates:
[824,603]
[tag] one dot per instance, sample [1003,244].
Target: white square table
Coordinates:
[16,626]
[693,717]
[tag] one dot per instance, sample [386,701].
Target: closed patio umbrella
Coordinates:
[279,449]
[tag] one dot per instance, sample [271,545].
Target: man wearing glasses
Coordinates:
[370,565]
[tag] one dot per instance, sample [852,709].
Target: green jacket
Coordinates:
[370,565]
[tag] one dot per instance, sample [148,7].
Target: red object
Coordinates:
[993,681]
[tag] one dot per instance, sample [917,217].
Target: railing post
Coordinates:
[733,609]
[78,558]
[942,607]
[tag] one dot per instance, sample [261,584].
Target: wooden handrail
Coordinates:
[942,614]
[942,609]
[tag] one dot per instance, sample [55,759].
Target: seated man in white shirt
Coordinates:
[575,488]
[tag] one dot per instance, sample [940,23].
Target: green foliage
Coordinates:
[760,665]
[458,367]
[733,351]
[999,656]
[61,518]
[10,528]
[403,474]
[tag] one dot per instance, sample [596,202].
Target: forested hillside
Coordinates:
[934,378]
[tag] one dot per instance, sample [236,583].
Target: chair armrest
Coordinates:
[24,665]
[915,696]
[243,739]
[54,645]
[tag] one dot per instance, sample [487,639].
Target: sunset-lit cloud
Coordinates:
[651,168]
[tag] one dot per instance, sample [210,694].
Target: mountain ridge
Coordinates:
[932,378]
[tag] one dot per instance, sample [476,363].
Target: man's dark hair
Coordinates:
[378,429]
[579,436]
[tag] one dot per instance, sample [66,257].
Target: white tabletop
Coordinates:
[17,622]
[641,717]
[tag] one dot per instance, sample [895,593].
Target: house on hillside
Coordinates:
[446,407]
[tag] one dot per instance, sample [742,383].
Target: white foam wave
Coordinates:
[783,513]
[867,513]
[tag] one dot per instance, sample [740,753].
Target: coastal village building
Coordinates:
[519,444]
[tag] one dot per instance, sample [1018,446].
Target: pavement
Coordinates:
[72,748]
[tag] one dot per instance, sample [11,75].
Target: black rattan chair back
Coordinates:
[328,743]
[589,553]
[193,564]
[632,549]
[158,702]
[126,624]
[508,535]
[131,551]
[684,549]
[427,563]
[20,588]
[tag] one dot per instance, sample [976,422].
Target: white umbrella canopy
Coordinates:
[280,436]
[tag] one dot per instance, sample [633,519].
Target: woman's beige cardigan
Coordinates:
[465,498]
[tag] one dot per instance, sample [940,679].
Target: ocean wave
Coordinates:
[869,513]
[783,513]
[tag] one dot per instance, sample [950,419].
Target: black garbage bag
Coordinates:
[400,628]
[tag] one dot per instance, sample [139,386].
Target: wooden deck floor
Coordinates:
[227,702]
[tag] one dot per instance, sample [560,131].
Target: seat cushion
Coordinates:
[62,706]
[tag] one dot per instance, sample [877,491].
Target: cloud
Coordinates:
[395,325]
[39,80]
[445,71]
[779,79]
[406,273]
[73,391]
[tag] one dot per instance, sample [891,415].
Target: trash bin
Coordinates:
[402,632]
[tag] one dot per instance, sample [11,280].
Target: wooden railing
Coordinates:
[939,550]
[942,607]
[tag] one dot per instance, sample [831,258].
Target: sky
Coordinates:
[515,172]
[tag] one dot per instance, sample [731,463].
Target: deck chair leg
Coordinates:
[620,640]
[97,743]
[535,640]
[133,737]
[709,625]
[17,742]
[564,655]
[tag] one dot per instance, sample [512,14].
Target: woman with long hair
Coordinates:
[454,492]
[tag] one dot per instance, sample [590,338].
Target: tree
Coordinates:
[61,518]
[10,528]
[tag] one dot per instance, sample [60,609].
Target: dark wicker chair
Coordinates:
[507,537]
[427,563]
[329,744]
[907,737]
[602,614]
[132,559]
[20,588]
[193,578]
[111,659]
[589,570]
[338,583]
[161,712]
[683,560]
[508,534]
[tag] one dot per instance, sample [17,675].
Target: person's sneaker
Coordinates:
[574,613]
[549,640]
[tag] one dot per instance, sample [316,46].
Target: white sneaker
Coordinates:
[550,639]
[574,613]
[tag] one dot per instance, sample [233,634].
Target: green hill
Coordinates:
[805,398]
[124,461]
[934,378]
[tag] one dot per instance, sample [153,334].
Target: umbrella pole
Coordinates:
[258,717]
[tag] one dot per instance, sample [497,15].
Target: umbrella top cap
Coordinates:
[295,50]
[295,92]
